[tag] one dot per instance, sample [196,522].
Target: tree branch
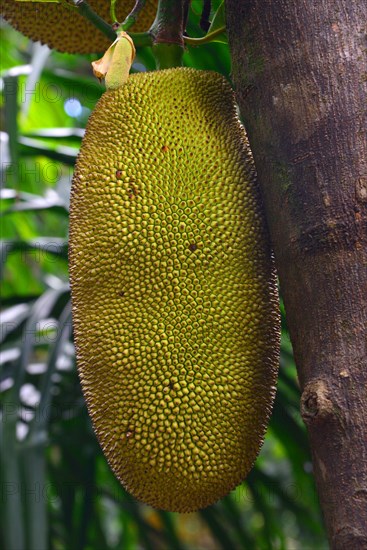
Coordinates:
[299,70]
[86,11]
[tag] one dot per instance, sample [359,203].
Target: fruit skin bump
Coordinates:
[65,29]
[174,292]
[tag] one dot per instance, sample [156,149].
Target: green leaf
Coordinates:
[210,516]
[10,92]
[57,133]
[37,427]
[40,310]
[219,19]
[29,202]
[47,245]
[171,535]
[32,147]
[11,319]
[219,24]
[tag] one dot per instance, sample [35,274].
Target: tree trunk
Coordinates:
[300,72]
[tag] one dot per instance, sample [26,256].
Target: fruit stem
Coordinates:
[167,30]
[87,12]
[167,55]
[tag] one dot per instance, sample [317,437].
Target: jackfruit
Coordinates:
[173,288]
[64,29]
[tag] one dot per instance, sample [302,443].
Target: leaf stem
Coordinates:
[204,39]
[113,11]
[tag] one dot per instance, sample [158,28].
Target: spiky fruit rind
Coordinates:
[173,288]
[64,29]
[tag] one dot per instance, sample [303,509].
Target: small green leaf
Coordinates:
[32,147]
[219,23]
[219,19]
[41,418]
[11,319]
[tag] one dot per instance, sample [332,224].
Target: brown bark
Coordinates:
[300,71]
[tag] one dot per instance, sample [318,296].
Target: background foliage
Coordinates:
[57,490]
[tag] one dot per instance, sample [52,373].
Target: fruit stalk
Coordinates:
[167,30]
[87,12]
[169,23]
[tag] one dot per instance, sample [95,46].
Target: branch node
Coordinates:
[316,403]
[349,537]
[361,189]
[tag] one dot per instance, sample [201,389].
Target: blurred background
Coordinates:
[57,491]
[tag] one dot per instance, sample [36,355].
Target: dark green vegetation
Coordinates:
[55,479]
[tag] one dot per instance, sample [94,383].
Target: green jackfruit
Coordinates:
[64,29]
[173,288]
